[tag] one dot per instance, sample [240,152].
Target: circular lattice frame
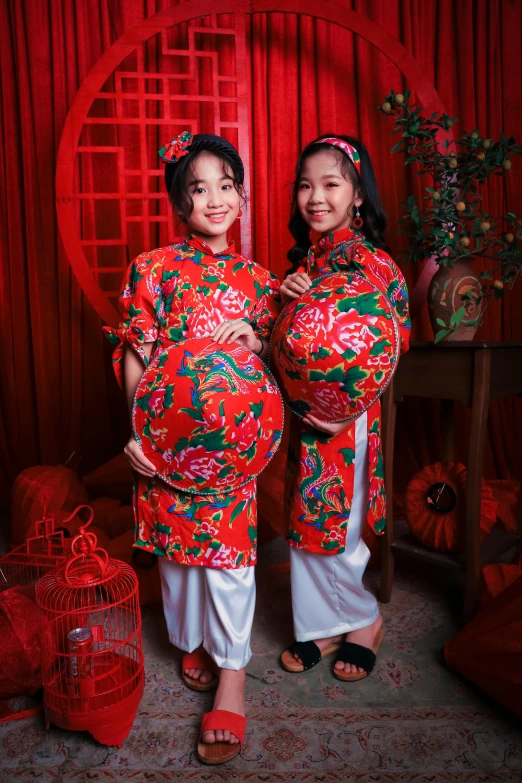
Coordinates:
[194,9]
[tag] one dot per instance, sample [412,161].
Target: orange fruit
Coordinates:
[486,143]
[481,156]
[509,238]
[399,98]
[506,164]
[436,196]
[474,135]
[451,234]
[465,241]
[498,284]
[386,107]
[485,226]
[452,163]
[461,206]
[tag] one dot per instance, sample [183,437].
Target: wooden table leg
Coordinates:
[447,416]
[479,418]
[389,414]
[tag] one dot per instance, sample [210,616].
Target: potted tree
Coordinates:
[450,225]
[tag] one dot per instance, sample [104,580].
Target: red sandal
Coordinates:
[221,720]
[199,659]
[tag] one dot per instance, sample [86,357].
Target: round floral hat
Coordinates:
[335,348]
[208,416]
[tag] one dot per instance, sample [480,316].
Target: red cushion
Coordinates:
[209,416]
[335,348]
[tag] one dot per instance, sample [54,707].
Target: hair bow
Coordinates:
[177,148]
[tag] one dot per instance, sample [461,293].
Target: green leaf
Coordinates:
[457,316]
[349,456]
[201,537]
[237,511]
[256,408]
[252,533]
[330,545]
[441,335]
[379,347]
[239,417]
[441,323]
[193,413]
[251,452]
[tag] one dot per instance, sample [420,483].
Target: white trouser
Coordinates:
[210,607]
[328,597]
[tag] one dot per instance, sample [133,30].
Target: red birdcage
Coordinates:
[46,551]
[90,630]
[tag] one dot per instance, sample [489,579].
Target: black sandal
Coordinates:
[309,653]
[358,656]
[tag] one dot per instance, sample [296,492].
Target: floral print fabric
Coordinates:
[320,469]
[170,295]
[208,416]
[336,347]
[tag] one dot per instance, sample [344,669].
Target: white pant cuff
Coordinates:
[183,645]
[230,663]
[337,630]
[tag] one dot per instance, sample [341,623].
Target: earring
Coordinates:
[357,222]
[240,213]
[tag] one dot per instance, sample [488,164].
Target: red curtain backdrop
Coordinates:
[58,394]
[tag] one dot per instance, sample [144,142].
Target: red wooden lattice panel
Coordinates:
[189,76]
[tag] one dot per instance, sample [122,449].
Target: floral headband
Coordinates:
[350,151]
[177,148]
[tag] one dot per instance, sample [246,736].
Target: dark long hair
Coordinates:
[371,209]
[181,172]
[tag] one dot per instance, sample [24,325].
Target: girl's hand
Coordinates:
[331,428]
[137,458]
[294,285]
[237,332]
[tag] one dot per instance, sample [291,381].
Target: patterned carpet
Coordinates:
[411,721]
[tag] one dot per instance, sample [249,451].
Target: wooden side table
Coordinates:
[474,373]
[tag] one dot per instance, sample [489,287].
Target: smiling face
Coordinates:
[216,200]
[325,197]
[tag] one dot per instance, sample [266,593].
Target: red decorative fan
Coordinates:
[435,503]
[335,348]
[209,416]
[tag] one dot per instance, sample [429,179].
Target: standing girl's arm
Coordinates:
[134,340]
[254,333]
[133,370]
[266,311]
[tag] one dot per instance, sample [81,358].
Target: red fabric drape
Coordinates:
[307,76]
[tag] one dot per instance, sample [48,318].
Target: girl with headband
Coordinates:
[335,195]
[199,287]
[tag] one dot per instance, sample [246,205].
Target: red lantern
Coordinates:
[26,564]
[40,491]
[90,632]
[335,348]
[435,503]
